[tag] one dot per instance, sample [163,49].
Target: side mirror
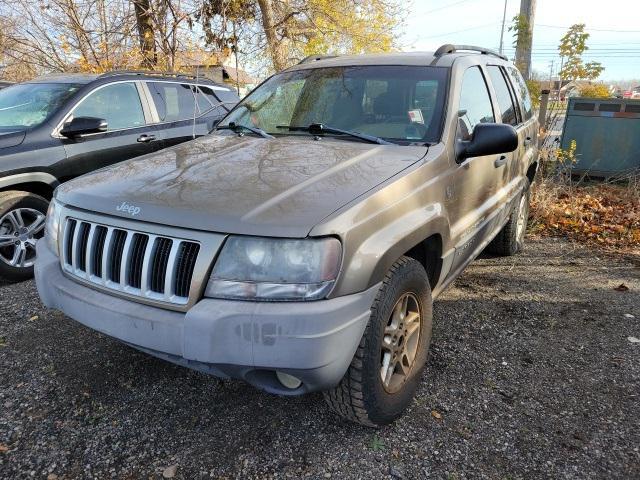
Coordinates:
[487,139]
[83,125]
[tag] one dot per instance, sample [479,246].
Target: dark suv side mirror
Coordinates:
[487,139]
[83,125]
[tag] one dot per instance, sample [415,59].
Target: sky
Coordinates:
[614,27]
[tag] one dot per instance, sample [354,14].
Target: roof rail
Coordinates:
[315,58]
[449,48]
[147,72]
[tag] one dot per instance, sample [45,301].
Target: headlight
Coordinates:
[52,225]
[253,268]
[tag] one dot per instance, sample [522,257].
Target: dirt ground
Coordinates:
[534,373]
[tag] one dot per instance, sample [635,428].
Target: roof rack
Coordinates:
[315,58]
[148,72]
[449,48]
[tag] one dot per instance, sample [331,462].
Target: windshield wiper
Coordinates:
[319,129]
[239,128]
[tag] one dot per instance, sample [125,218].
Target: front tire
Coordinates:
[386,369]
[510,240]
[22,220]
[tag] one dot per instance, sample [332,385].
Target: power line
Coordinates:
[588,28]
[459,31]
[447,6]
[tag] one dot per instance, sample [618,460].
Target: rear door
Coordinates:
[129,133]
[178,106]
[509,112]
[528,126]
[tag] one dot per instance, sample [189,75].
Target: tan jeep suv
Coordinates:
[299,246]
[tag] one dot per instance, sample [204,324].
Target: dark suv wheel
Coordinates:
[22,220]
[385,371]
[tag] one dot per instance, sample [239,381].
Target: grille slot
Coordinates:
[138,247]
[81,252]
[159,265]
[115,255]
[186,262]
[136,263]
[100,238]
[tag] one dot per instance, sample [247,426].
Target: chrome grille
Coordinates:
[136,263]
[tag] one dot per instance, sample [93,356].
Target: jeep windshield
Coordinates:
[29,104]
[400,104]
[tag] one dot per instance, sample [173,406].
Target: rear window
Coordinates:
[522,91]
[174,101]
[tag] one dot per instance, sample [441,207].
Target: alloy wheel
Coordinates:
[19,230]
[400,343]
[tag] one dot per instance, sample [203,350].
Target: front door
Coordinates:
[128,133]
[471,196]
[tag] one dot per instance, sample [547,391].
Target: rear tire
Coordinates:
[363,395]
[510,240]
[22,217]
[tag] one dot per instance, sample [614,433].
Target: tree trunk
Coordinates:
[145,32]
[277,47]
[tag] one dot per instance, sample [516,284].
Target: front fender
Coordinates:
[367,262]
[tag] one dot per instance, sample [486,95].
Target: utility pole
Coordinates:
[525,37]
[504,19]
[551,75]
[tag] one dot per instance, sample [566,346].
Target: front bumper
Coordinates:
[314,341]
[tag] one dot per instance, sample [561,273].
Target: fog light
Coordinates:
[288,381]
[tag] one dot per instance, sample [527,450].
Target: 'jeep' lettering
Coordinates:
[130,209]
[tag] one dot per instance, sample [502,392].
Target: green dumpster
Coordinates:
[607,135]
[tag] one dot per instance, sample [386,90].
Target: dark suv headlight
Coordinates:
[52,225]
[272,269]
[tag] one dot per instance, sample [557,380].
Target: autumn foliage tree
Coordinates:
[572,45]
[289,30]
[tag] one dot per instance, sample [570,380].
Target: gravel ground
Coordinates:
[534,373]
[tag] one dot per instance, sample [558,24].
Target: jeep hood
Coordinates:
[245,185]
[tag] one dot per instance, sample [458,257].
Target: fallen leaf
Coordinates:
[170,472]
[52,476]
[34,318]
[436,414]
[633,339]
[621,288]
[628,315]
[3,448]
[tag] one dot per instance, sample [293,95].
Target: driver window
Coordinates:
[475,103]
[119,104]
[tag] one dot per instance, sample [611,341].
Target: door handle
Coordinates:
[500,161]
[144,138]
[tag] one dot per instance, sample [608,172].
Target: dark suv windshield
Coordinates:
[29,104]
[398,103]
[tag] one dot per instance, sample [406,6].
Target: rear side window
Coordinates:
[522,91]
[174,101]
[208,95]
[119,104]
[229,97]
[503,94]
[475,103]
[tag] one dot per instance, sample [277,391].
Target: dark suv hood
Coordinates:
[245,185]
[11,138]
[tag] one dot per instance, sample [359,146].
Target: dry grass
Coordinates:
[606,214]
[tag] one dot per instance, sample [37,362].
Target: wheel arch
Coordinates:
[421,234]
[40,183]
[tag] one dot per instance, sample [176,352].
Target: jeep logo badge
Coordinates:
[130,209]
